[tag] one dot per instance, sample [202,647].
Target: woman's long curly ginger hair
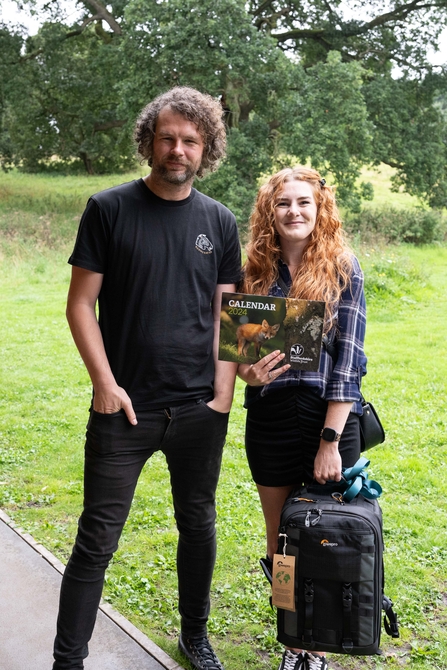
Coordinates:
[326,265]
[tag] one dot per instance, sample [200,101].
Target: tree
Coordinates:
[70,109]
[332,129]
[220,52]
[275,108]
[375,32]
[299,80]
[411,136]
[10,46]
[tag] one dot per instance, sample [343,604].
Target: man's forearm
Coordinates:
[224,371]
[224,379]
[88,339]
[109,397]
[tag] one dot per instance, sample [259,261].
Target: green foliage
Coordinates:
[10,45]
[396,225]
[70,94]
[236,181]
[377,33]
[61,112]
[331,129]
[389,280]
[411,135]
[222,53]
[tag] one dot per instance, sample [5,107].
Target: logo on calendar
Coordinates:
[296,350]
[296,354]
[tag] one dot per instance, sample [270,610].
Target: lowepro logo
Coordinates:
[326,543]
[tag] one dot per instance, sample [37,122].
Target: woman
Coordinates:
[303,425]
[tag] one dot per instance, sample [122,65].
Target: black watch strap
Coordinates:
[330,435]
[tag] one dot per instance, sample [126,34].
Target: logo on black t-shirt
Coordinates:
[203,244]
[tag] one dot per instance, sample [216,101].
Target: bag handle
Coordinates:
[356,479]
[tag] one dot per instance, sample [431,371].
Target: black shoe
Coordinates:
[292,660]
[315,661]
[199,651]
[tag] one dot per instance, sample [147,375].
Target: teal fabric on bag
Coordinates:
[356,481]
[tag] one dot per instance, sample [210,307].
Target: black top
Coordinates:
[161,261]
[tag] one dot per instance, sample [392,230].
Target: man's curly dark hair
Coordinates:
[199,108]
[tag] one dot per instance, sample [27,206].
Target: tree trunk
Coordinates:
[87,162]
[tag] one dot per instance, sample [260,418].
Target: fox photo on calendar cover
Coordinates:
[252,326]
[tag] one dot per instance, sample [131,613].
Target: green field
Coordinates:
[380,178]
[46,393]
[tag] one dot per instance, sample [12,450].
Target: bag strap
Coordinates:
[307,636]
[347,642]
[282,285]
[390,619]
[356,479]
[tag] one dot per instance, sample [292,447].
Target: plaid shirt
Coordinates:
[340,381]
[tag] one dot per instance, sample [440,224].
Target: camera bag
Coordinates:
[339,576]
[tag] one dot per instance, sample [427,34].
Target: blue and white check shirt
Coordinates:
[339,380]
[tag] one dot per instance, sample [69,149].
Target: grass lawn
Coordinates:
[380,178]
[46,392]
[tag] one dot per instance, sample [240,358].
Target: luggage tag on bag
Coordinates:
[283,581]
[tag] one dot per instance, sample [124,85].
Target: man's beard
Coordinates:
[175,177]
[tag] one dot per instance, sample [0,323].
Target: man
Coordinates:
[156,255]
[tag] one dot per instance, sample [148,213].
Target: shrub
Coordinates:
[415,226]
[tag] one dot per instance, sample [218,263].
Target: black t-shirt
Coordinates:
[161,261]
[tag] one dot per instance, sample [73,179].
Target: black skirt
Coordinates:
[282,436]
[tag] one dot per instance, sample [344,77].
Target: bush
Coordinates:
[390,224]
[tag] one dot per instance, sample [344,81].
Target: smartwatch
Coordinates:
[330,435]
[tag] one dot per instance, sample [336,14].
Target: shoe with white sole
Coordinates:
[292,660]
[315,662]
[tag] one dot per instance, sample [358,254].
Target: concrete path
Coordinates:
[30,579]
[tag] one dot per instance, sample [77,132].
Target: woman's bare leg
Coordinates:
[272,501]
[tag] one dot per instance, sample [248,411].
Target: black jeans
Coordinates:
[192,437]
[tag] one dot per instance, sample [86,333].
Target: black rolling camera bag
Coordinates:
[339,576]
